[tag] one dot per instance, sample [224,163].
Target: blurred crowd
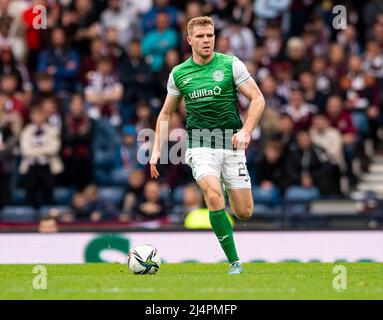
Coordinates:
[74,95]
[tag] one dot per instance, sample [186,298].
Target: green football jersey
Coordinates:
[210,93]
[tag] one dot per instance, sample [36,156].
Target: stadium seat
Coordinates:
[18,196]
[112,195]
[334,207]
[63,196]
[118,177]
[267,196]
[178,194]
[267,211]
[104,144]
[18,214]
[301,194]
[101,177]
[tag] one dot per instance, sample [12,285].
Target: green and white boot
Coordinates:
[236,268]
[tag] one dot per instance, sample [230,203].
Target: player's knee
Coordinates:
[214,198]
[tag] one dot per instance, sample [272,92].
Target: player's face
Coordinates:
[202,40]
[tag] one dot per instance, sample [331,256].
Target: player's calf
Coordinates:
[241,203]
[244,214]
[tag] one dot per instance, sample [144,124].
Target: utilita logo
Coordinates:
[203,93]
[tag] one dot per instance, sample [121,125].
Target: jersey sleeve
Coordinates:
[172,88]
[240,72]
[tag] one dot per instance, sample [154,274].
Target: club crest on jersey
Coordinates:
[218,75]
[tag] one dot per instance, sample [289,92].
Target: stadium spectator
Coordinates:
[341,120]
[127,155]
[347,39]
[88,62]
[371,11]
[337,63]
[274,103]
[33,36]
[50,108]
[284,76]
[277,12]
[10,125]
[11,38]
[96,208]
[157,42]
[295,51]
[377,32]
[48,225]
[323,82]
[373,61]
[314,39]
[14,102]
[121,18]
[172,58]
[139,7]
[262,63]
[300,111]
[144,116]
[136,76]
[307,166]
[361,97]
[104,91]
[222,44]
[77,140]
[82,24]
[10,118]
[270,173]
[243,12]
[40,162]
[78,207]
[310,93]
[192,199]
[44,87]
[8,65]
[286,132]
[321,133]
[242,40]
[149,19]
[133,191]
[61,61]
[273,44]
[150,206]
[113,48]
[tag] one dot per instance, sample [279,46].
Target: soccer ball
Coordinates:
[144,259]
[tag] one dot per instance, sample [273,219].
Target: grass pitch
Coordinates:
[194,281]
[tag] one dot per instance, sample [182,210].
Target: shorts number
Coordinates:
[241,169]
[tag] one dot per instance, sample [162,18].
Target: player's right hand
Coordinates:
[241,140]
[153,164]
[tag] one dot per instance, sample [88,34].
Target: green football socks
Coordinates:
[224,232]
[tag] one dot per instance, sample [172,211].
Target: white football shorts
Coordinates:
[227,165]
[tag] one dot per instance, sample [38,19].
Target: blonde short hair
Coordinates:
[199,21]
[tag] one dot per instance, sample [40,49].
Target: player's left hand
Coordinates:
[153,164]
[241,140]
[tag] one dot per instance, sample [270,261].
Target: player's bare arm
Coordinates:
[170,105]
[251,91]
